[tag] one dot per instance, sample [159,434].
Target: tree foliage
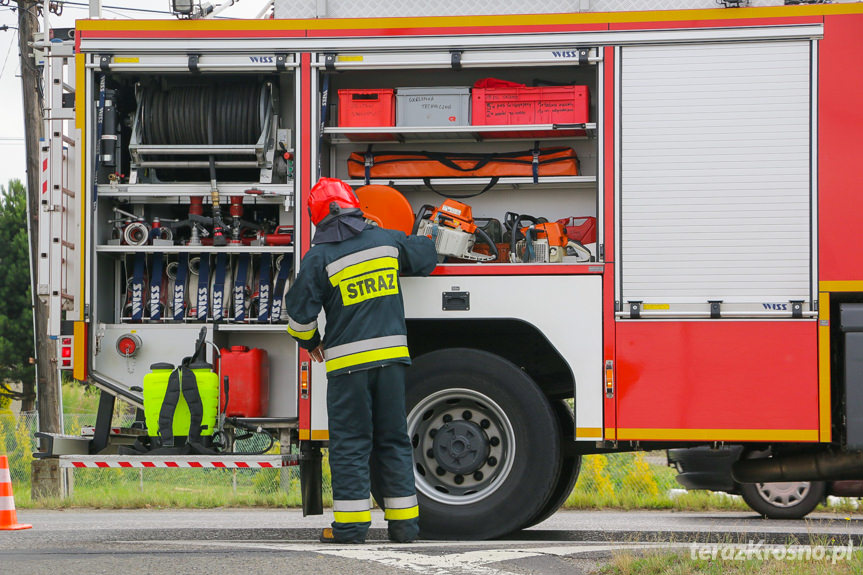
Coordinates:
[16,313]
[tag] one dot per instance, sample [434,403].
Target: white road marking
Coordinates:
[409,558]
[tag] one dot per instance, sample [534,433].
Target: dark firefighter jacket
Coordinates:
[356,281]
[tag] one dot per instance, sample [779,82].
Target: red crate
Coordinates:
[367,108]
[527,105]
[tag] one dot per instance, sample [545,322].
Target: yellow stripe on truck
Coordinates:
[824,367]
[79,347]
[402,23]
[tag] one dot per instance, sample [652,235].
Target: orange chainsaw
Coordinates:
[541,242]
[453,230]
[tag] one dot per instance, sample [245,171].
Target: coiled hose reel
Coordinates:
[180,114]
[209,124]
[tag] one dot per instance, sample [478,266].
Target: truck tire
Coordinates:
[486,444]
[785,500]
[569,468]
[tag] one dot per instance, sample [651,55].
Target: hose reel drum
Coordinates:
[180,126]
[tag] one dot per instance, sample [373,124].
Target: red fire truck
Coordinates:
[717,299]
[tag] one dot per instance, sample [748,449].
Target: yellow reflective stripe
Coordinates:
[352,516]
[401,514]
[367,357]
[365,267]
[303,335]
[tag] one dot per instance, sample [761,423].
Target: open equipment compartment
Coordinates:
[176,148]
[551,198]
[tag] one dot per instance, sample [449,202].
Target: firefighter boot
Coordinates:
[327,536]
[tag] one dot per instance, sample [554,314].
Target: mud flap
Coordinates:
[311,479]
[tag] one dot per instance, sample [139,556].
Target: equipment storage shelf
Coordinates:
[452,134]
[514,182]
[195,249]
[160,193]
[273,327]
[416,124]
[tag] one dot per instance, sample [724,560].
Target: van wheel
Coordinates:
[569,468]
[485,442]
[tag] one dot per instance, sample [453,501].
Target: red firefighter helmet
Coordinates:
[330,197]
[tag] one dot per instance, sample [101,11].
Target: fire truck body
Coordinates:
[718,160]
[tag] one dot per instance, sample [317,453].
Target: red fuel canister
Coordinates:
[248,373]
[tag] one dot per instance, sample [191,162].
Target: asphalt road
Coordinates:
[282,541]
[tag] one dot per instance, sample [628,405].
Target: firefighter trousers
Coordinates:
[367,421]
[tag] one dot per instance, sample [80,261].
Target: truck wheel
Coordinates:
[783,500]
[569,468]
[486,444]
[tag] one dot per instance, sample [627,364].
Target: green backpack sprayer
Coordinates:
[181,409]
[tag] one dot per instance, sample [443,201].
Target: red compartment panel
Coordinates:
[717,380]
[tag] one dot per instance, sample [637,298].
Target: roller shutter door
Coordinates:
[715,198]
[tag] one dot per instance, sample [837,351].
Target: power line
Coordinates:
[109,8]
[9,51]
[85,5]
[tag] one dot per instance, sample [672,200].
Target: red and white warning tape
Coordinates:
[89,430]
[179,461]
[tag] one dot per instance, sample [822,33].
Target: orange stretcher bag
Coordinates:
[396,164]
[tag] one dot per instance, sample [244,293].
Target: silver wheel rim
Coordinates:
[430,414]
[783,494]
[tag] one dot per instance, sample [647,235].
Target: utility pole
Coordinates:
[47,374]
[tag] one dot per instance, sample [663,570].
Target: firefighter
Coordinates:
[352,271]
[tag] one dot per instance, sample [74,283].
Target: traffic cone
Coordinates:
[8,517]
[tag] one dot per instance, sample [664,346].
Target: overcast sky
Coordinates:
[12,163]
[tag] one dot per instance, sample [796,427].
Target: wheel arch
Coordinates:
[516,340]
